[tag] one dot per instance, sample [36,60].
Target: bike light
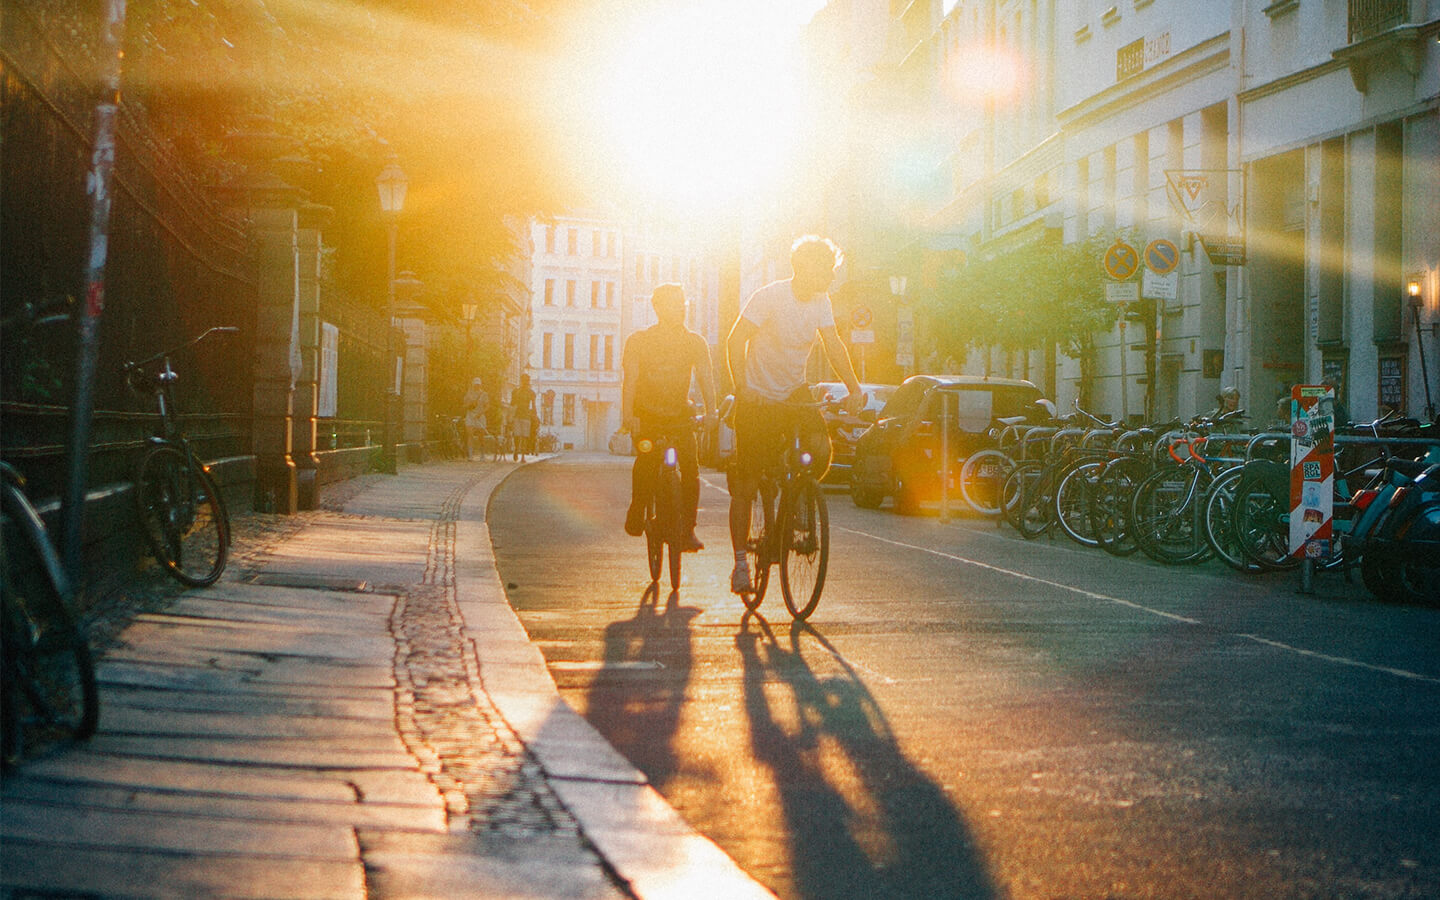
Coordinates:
[1363,498]
[644,446]
[670,456]
[1399,495]
[804,458]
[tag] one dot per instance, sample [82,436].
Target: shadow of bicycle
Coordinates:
[862,820]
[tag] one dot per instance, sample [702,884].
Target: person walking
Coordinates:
[477,413]
[766,352]
[660,364]
[523,418]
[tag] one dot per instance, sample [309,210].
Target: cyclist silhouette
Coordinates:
[660,364]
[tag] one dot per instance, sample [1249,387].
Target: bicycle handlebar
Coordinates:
[217,329]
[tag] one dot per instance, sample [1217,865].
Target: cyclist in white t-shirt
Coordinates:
[766,353]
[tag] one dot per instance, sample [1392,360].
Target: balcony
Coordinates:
[1379,30]
[1368,18]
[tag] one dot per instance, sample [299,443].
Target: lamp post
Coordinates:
[391,184]
[1414,290]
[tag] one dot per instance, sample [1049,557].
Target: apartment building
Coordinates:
[1290,150]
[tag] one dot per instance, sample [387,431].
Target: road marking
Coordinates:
[1299,651]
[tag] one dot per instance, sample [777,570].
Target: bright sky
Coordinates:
[700,102]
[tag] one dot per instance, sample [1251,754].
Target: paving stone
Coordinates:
[403,866]
[88,767]
[50,870]
[382,751]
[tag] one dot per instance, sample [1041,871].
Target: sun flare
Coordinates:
[698,107]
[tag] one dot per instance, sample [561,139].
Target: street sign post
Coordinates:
[1312,475]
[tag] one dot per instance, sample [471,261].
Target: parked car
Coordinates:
[899,456]
[845,429]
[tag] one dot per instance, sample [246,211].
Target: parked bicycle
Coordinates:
[47,689]
[181,511]
[790,526]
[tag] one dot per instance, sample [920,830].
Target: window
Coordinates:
[654,268]
[568,410]
[609,352]
[609,295]
[594,295]
[574,241]
[549,292]
[549,238]
[570,293]
[610,244]
[547,351]
[595,242]
[639,268]
[594,352]
[547,408]
[569,351]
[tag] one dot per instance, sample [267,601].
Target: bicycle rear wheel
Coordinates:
[654,542]
[182,516]
[1110,505]
[806,552]
[1071,504]
[1219,527]
[757,547]
[1168,515]
[982,479]
[667,503]
[48,679]
[1260,522]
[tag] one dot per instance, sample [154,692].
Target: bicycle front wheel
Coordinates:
[182,516]
[805,530]
[982,478]
[757,547]
[48,679]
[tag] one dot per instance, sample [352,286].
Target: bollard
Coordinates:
[944,456]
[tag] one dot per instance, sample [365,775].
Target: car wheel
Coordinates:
[866,496]
[907,498]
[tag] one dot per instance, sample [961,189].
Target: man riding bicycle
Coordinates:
[766,352]
[659,364]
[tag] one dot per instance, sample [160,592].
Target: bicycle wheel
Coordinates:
[1167,515]
[1110,505]
[805,530]
[182,517]
[1261,519]
[982,479]
[757,546]
[1013,491]
[1071,505]
[1219,527]
[667,502]
[1034,514]
[48,679]
[654,542]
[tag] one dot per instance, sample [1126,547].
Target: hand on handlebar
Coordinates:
[854,402]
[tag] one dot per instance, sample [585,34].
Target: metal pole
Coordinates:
[388,461]
[1424,373]
[1124,369]
[944,456]
[82,407]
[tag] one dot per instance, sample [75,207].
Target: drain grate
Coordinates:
[319,582]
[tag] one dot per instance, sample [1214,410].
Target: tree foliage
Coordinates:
[1026,298]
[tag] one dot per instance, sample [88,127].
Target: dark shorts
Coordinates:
[763,431]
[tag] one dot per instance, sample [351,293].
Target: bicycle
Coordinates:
[181,511]
[47,687]
[663,524]
[789,526]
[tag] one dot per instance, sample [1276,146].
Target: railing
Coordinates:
[1368,18]
[343,434]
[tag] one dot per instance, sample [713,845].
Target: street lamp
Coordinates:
[391,184]
[1415,291]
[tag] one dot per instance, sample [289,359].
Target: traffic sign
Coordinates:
[1121,261]
[1127,292]
[861,317]
[1161,256]
[862,335]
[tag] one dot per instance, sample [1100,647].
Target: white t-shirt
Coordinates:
[775,362]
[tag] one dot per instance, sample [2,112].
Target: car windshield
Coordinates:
[980,404]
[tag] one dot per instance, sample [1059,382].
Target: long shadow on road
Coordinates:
[863,821]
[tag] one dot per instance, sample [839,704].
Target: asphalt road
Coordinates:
[973,715]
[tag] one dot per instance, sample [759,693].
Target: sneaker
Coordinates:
[740,579]
[691,543]
[635,520]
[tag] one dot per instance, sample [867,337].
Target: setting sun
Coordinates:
[700,104]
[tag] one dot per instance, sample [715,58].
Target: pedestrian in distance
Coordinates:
[766,352]
[660,364]
[523,418]
[477,413]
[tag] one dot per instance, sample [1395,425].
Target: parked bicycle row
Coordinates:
[1183,492]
